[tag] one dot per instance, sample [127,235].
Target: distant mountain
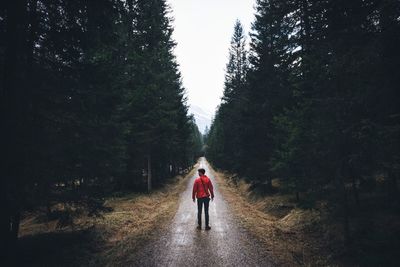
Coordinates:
[202,117]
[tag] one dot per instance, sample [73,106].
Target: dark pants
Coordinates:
[200,202]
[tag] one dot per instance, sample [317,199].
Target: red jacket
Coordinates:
[201,191]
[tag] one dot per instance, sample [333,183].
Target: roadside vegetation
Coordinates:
[310,234]
[92,104]
[310,113]
[107,238]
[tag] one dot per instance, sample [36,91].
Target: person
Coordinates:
[202,189]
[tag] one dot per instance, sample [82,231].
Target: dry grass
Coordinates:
[114,235]
[138,219]
[292,235]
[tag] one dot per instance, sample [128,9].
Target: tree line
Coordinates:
[91,102]
[314,101]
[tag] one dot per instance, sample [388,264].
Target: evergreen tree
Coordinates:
[320,106]
[90,90]
[225,137]
[268,91]
[159,115]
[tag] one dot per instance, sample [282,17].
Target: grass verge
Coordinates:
[104,240]
[293,236]
[311,234]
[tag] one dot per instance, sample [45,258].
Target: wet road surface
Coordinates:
[181,244]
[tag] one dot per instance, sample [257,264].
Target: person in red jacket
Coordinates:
[202,189]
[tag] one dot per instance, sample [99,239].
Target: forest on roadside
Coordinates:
[311,101]
[91,103]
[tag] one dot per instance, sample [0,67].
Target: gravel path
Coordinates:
[226,244]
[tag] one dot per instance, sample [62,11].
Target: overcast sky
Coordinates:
[203,30]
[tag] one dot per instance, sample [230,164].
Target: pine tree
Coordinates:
[159,120]
[268,84]
[89,89]
[229,115]
[320,106]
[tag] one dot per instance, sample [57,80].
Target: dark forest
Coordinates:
[93,108]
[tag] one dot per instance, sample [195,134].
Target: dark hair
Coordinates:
[203,171]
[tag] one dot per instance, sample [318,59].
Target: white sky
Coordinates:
[203,30]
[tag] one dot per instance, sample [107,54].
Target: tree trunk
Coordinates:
[346,221]
[16,219]
[149,175]
[12,123]
[46,195]
[355,191]
[354,186]
[393,187]
[5,239]
[342,195]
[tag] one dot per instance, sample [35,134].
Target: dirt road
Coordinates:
[181,244]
